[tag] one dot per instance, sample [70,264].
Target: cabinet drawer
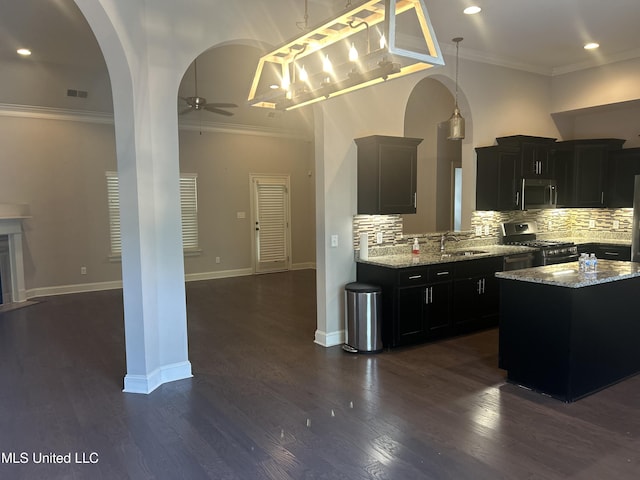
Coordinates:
[440,273]
[412,276]
[480,266]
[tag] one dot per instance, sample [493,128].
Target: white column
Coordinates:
[146,130]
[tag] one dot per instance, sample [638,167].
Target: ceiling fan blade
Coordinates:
[217,110]
[222,105]
[186,110]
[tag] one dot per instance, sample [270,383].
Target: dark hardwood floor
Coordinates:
[265,402]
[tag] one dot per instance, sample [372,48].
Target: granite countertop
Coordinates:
[567,274]
[451,255]
[608,241]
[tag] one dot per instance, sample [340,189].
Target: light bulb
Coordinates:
[353,53]
[383,41]
[286,79]
[326,65]
[304,76]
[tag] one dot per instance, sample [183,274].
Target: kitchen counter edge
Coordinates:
[405,260]
[567,274]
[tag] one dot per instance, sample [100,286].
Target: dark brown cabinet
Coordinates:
[387,174]
[581,171]
[607,251]
[424,303]
[501,168]
[624,165]
[535,158]
[476,291]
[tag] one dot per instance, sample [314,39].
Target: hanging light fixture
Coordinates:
[456,122]
[369,42]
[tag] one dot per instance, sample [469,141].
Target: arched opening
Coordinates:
[439,159]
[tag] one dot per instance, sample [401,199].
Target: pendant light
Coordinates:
[456,122]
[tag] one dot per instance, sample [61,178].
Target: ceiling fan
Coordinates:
[200,103]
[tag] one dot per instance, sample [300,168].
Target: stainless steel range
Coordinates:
[549,251]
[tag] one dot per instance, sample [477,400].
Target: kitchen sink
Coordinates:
[462,253]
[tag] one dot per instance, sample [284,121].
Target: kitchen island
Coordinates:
[568,334]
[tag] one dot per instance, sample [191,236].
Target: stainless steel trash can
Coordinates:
[362,318]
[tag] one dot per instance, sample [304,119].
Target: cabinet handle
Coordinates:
[517,198]
[612,254]
[430,294]
[442,273]
[415,200]
[426,296]
[479,287]
[483,291]
[601,198]
[415,277]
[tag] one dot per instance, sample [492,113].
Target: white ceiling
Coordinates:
[544,36]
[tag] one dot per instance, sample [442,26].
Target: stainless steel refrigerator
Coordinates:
[635,233]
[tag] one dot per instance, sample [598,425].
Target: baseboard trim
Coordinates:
[196,277]
[116,284]
[146,384]
[69,289]
[304,266]
[329,339]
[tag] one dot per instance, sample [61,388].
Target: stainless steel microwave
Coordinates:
[538,193]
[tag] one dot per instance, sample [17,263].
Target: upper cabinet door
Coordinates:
[387,174]
[581,169]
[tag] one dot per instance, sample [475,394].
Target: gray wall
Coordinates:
[57,166]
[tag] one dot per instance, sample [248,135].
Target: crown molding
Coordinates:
[62,114]
[48,113]
[620,57]
[482,57]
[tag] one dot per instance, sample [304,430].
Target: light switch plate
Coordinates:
[616,224]
[592,224]
[334,240]
[479,231]
[379,237]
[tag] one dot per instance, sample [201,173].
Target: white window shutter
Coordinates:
[272,220]
[188,207]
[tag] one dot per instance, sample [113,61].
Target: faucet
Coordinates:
[445,236]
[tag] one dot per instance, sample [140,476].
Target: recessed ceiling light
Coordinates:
[24,51]
[472,10]
[591,46]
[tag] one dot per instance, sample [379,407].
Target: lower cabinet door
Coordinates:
[409,323]
[477,303]
[438,311]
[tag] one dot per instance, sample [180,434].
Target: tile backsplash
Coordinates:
[592,223]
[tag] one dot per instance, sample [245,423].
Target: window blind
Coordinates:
[188,209]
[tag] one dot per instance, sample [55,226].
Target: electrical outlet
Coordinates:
[83,270]
[217,259]
[486,230]
[616,224]
[334,240]
[478,231]
[592,224]
[379,237]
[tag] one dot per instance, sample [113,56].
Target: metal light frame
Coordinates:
[387,62]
